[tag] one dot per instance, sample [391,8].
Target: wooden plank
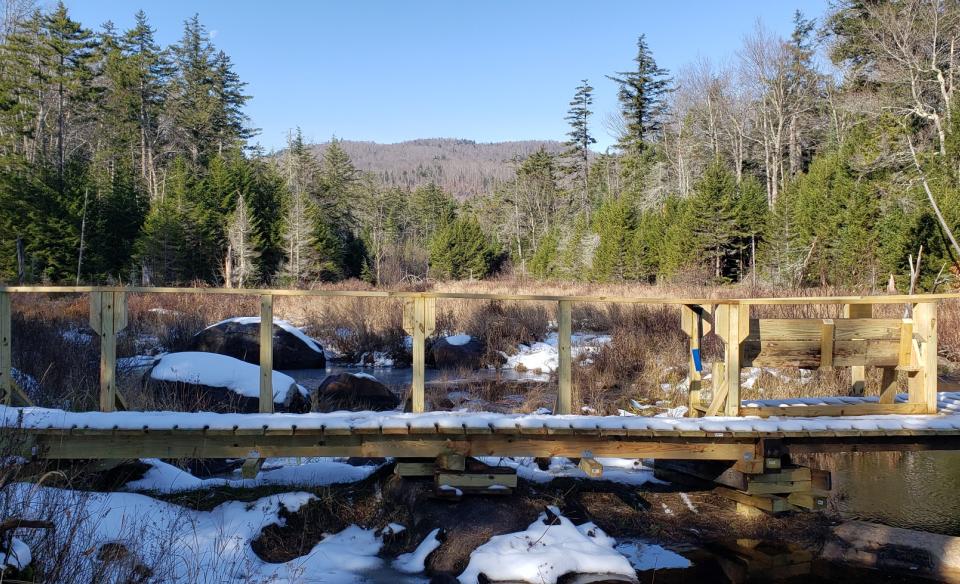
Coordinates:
[415,469]
[858,373]
[565,358]
[847,329]
[864,409]
[821,480]
[591,467]
[906,343]
[768,503]
[419,355]
[108,353]
[826,344]
[925,323]
[777,488]
[251,468]
[6,354]
[266,354]
[692,324]
[451,461]
[738,323]
[806,353]
[476,480]
[888,385]
[808,501]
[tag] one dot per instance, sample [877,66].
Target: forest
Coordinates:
[829,158]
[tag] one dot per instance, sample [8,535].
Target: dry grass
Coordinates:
[648,351]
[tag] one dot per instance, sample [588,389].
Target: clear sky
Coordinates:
[486,70]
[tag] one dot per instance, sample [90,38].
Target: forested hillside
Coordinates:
[804,160]
[463,168]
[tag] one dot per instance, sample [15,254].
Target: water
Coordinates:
[402,377]
[913,490]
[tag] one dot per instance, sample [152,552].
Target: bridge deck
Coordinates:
[48,433]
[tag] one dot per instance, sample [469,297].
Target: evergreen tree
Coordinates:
[614,226]
[241,257]
[642,94]
[300,173]
[578,116]
[461,250]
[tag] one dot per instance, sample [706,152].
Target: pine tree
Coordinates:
[461,250]
[431,208]
[714,215]
[642,93]
[300,173]
[614,226]
[544,263]
[578,116]
[192,104]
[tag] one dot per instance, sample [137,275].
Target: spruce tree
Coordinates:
[461,250]
[614,224]
[642,95]
[578,116]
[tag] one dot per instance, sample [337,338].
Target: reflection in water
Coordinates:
[914,490]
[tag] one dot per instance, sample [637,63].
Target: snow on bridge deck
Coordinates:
[459,423]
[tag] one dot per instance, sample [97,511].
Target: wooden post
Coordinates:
[858,373]
[739,327]
[925,325]
[108,316]
[419,320]
[690,323]
[564,347]
[266,354]
[6,359]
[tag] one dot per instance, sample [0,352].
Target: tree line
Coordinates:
[803,161]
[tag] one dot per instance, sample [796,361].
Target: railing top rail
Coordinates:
[865,299]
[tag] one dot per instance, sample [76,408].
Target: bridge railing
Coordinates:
[858,340]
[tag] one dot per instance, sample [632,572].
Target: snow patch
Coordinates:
[413,562]
[458,340]
[648,556]
[545,356]
[365,376]
[166,478]
[548,549]
[17,558]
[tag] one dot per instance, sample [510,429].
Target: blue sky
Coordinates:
[484,70]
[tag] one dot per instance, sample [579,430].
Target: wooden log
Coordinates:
[266,354]
[565,358]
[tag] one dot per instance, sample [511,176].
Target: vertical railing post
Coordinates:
[691,324]
[266,354]
[738,327]
[923,381]
[565,358]
[419,320]
[104,321]
[858,373]
[6,359]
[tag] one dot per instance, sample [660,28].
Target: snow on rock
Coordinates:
[285,325]
[375,359]
[458,340]
[17,558]
[414,562]
[215,370]
[166,478]
[548,549]
[545,356]
[647,556]
[137,362]
[365,376]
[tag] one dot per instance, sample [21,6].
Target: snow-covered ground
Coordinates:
[545,356]
[314,472]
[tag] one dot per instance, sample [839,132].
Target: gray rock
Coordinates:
[241,339]
[352,393]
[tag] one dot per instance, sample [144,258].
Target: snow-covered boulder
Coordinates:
[240,338]
[551,547]
[458,352]
[15,559]
[207,381]
[353,392]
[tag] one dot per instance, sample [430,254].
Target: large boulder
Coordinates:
[240,338]
[196,381]
[353,392]
[458,352]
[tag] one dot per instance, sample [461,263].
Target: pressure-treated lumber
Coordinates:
[768,503]
[108,316]
[860,409]
[591,467]
[925,324]
[858,373]
[419,320]
[565,358]
[266,354]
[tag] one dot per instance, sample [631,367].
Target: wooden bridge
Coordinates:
[756,437]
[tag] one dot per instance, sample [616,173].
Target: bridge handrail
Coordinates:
[109,317]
